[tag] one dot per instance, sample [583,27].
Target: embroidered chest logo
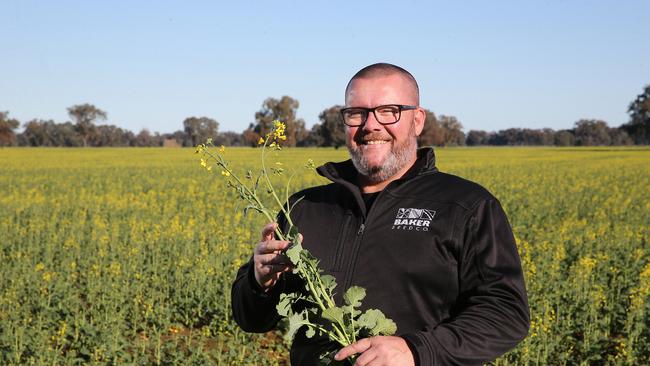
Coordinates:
[417,219]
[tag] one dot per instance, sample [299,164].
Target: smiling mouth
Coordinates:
[374,142]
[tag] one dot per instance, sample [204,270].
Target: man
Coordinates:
[435,252]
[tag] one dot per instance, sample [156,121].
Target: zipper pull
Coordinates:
[363,226]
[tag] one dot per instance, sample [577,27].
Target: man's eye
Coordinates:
[388,111]
[354,114]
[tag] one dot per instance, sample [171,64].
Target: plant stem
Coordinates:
[270,185]
[329,334]
[318,293]
[250,194]
[340,329]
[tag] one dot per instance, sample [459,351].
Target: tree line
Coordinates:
[83,130]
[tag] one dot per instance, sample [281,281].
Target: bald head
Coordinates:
[382,70]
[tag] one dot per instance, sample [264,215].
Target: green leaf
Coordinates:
[284,305]
[257,183]
[294,254]
[354,295]
[385,326]
[296,321]
[376,323]
[329,282]
[368,319]
[306,256]
[293,235]
[334,314]
[310,332]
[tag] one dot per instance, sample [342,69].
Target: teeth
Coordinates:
[376,142]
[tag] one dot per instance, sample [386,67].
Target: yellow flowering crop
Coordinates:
[104,251]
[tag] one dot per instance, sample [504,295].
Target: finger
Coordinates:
[276,268]
[272,258]
[267,260]
[271,246]
[366,358]
[354,348]
[267,231]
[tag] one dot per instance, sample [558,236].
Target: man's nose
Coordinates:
[371,123]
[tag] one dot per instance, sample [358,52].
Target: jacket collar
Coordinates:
[345,170]
[345,174]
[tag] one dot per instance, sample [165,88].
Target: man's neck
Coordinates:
[368,186]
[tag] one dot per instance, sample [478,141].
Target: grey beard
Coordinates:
[398,157]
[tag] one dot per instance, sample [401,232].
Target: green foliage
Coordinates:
[441,131]
[589,132]
[283,109]
[84,116]
[331,128]
[375,323]
[199,129]
[7,125]
[347,322]
[639,126]
[354,295]
[334,314]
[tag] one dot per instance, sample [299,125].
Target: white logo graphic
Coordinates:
[417,219]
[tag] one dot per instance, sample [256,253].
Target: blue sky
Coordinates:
[151,64]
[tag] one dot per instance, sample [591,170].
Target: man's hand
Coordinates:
[378,351]
[268,260]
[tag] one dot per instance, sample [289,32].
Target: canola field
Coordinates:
[126,256]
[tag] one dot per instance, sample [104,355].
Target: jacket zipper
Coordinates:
[353,260]
[340,243]
[349,273]
[361,228]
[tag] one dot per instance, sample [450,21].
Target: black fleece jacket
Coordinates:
[435,253]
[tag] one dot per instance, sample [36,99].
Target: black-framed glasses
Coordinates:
[384,114]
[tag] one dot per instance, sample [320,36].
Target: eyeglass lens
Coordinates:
[383,114]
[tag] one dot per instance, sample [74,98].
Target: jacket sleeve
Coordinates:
[491,314]
[252,308]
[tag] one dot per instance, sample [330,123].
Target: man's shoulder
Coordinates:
[451,188]
[322,193]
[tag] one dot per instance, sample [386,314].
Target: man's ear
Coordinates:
[419,118]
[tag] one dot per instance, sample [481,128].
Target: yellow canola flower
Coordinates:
[279,126]
[222,149]
[47,276]
[204,163]
[225,173]
[261,141]
[279,130]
